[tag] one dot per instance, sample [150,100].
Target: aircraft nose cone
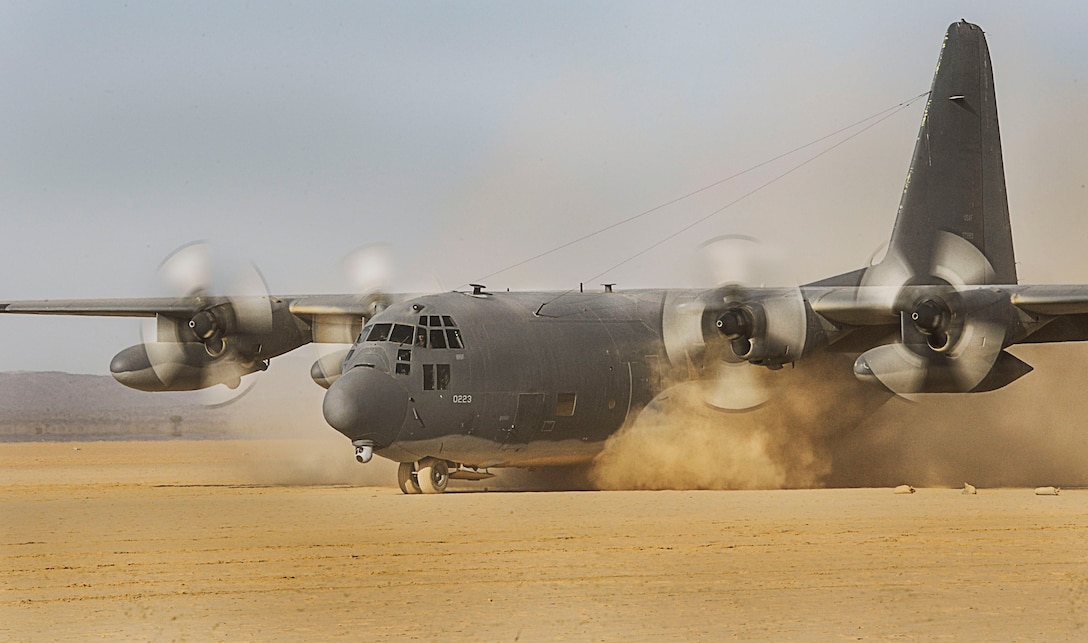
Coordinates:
[366,404]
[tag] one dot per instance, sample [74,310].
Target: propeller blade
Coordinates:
[961,367]
[980,344]
[251,303]
[742,260]
[189,269]
[899,369]
[737,387]
[369,268]
[958,262]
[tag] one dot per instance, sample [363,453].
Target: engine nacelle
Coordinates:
[177,366]
[327,370]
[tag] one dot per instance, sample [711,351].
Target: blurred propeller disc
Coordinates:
[250,300]
[191,271]
[188,270]
[739,386]
[741,261]
[369,268]
[950,340]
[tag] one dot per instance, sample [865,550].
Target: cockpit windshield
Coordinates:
[379,333]
[434,331]
[396,333]
[402,334]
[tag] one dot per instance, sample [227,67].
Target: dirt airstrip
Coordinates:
[232,540]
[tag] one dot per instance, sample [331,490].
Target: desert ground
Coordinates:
[255,540]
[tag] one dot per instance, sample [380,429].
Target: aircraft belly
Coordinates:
[475,451]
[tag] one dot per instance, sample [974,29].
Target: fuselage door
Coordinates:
[527,419]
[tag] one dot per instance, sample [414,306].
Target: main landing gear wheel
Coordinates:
[432,475]
[406,478]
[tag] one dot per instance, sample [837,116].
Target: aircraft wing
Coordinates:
[337,305]
[1052,300]
[204,340]
[141,307]
[304,305]
[1062,309]
[868,306]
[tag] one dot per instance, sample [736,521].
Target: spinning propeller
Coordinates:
[222,339]
[721,333]
[952,328]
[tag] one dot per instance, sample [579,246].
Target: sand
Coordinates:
[198,541]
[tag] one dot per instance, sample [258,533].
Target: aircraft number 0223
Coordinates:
[462,399]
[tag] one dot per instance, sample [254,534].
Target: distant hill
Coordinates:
[52,406]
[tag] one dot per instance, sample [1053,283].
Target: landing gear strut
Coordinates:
[431,475]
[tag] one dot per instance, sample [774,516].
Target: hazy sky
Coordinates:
[472,135]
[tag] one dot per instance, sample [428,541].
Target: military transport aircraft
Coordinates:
[452,384]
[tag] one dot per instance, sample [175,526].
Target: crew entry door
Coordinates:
[527,419]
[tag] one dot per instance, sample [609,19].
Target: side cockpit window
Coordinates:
[453,338]
[438,331]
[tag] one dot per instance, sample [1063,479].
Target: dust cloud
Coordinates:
[1033,432]
[680,442]
[819,430]
[824,431]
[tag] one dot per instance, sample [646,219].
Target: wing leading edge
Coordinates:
[304,306]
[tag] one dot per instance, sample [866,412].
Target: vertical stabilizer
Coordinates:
[955,189]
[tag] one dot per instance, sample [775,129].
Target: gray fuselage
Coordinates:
[530,379]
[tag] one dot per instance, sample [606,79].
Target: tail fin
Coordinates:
[955,189]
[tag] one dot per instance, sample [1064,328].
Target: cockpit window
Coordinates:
[397,333]
[402,334]
[453,338]
[438,331]
[379,333]
[438,338]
